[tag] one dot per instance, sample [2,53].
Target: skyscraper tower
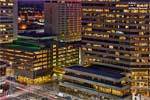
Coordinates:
[63,19]
[116,35]
[8,20]
[8,33]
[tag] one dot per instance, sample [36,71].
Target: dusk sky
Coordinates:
[30,0]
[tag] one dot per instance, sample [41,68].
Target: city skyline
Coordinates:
[74,50]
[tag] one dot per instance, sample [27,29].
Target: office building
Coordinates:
[30,60]
[64,55]
[63,19]
[116,35]
[8,20]
[3,85]
[35,60]
[95,83]
[8,33]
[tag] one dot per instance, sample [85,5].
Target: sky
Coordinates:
[30,0]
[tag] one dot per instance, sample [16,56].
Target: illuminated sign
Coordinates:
[133,5]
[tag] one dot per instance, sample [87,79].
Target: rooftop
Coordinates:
[118,85]
[98,71]
[34,34]
[25,44]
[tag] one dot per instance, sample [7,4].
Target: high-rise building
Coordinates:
[63,22]
[8,20]
[64,55]
[8,33]
[116,35]
[63,19]
[3,86]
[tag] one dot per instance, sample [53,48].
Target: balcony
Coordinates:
[89,80]
[96,72]
[94,92]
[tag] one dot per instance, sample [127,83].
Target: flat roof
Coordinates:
[24,44]
[34,34]
[119,85]
[98,71]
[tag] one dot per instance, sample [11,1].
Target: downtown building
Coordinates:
[63,23]
[94,83]
[63,19]
[3,71]
[36,59]
[116,35]
[8,20]
[64,54]
[8,33]
[30,60]
[115,42]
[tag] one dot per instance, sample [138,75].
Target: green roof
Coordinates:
[28,45]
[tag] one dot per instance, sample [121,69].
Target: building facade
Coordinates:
[30,60]
[64,55]
[95,83]
[63,19]
[116,35]
[35,60]
[8,20]
[3,85]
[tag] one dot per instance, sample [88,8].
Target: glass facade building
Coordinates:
[34,60]
[8,20]
[63,19]
[95,83]
[116,35]
[64,55]
[30,60]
